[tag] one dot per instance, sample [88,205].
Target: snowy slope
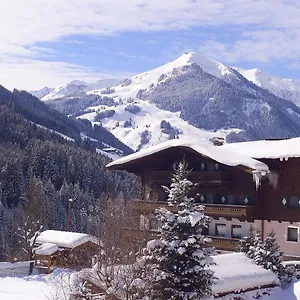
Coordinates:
[41,93]
[148,120]
[75,88]
[288,89]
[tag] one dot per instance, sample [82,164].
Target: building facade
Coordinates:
[225,185]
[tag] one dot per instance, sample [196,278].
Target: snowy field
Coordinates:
[37,287]
[56,286]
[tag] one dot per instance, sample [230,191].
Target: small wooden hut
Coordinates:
[65,249]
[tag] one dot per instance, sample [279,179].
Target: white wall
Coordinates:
[245,226]
[145,224]
[288,248]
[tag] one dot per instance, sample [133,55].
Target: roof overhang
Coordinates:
[219,154]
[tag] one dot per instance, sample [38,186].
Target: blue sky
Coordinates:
[53,42]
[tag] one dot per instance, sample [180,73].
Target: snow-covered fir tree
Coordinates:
[247,242]
[268,255]
[179,260]
[256,246]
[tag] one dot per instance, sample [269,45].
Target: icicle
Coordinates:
[273,179]
[257,175]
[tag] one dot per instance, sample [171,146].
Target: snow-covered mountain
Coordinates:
[288,89]
[42,92]
[73,89]
[192,96]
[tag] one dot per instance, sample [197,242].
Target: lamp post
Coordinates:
[69,214]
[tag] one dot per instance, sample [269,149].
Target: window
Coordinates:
[209,198]
[293,202]
[217,199]
[210,167]
[292,234]
[236,231]
[153,224]
[231,199]
[221,230]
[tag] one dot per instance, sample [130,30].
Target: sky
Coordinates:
[52,42]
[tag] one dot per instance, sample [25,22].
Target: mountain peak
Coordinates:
[42,92]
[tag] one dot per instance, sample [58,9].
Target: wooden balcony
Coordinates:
[222,243]
[142,236]
[212,210]
[204,177]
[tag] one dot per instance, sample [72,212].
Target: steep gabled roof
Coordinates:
[220,154]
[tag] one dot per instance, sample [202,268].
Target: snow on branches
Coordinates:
[179,260]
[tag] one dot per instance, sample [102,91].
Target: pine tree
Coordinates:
[247,242]
[268,255]
[180,258]
[256,247]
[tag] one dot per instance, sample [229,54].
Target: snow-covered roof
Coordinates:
[16,265]
[46,249]
[237,272]
[65,239]
[274,149]
[218,153]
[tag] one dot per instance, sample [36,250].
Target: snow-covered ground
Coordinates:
[149,120]
[37,287]
[57,285]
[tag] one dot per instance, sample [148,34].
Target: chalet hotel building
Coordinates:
[240,185]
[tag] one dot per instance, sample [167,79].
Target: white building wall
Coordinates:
[280,228]
[245,226]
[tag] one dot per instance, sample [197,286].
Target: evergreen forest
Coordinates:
[40,171]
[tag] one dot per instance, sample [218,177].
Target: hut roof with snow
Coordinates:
[64,239]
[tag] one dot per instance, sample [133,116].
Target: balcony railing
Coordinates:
[213,210]
[222,243]
[141,236]
[204,177]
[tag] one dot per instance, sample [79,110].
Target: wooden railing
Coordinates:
[213,210]
[222,243]
[142,236]
[205,177]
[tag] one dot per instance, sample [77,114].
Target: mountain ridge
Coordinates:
[73,88]
[190,96]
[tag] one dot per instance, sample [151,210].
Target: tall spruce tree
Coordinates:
[179,260]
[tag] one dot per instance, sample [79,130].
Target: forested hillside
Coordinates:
[40,171]
[32,109]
